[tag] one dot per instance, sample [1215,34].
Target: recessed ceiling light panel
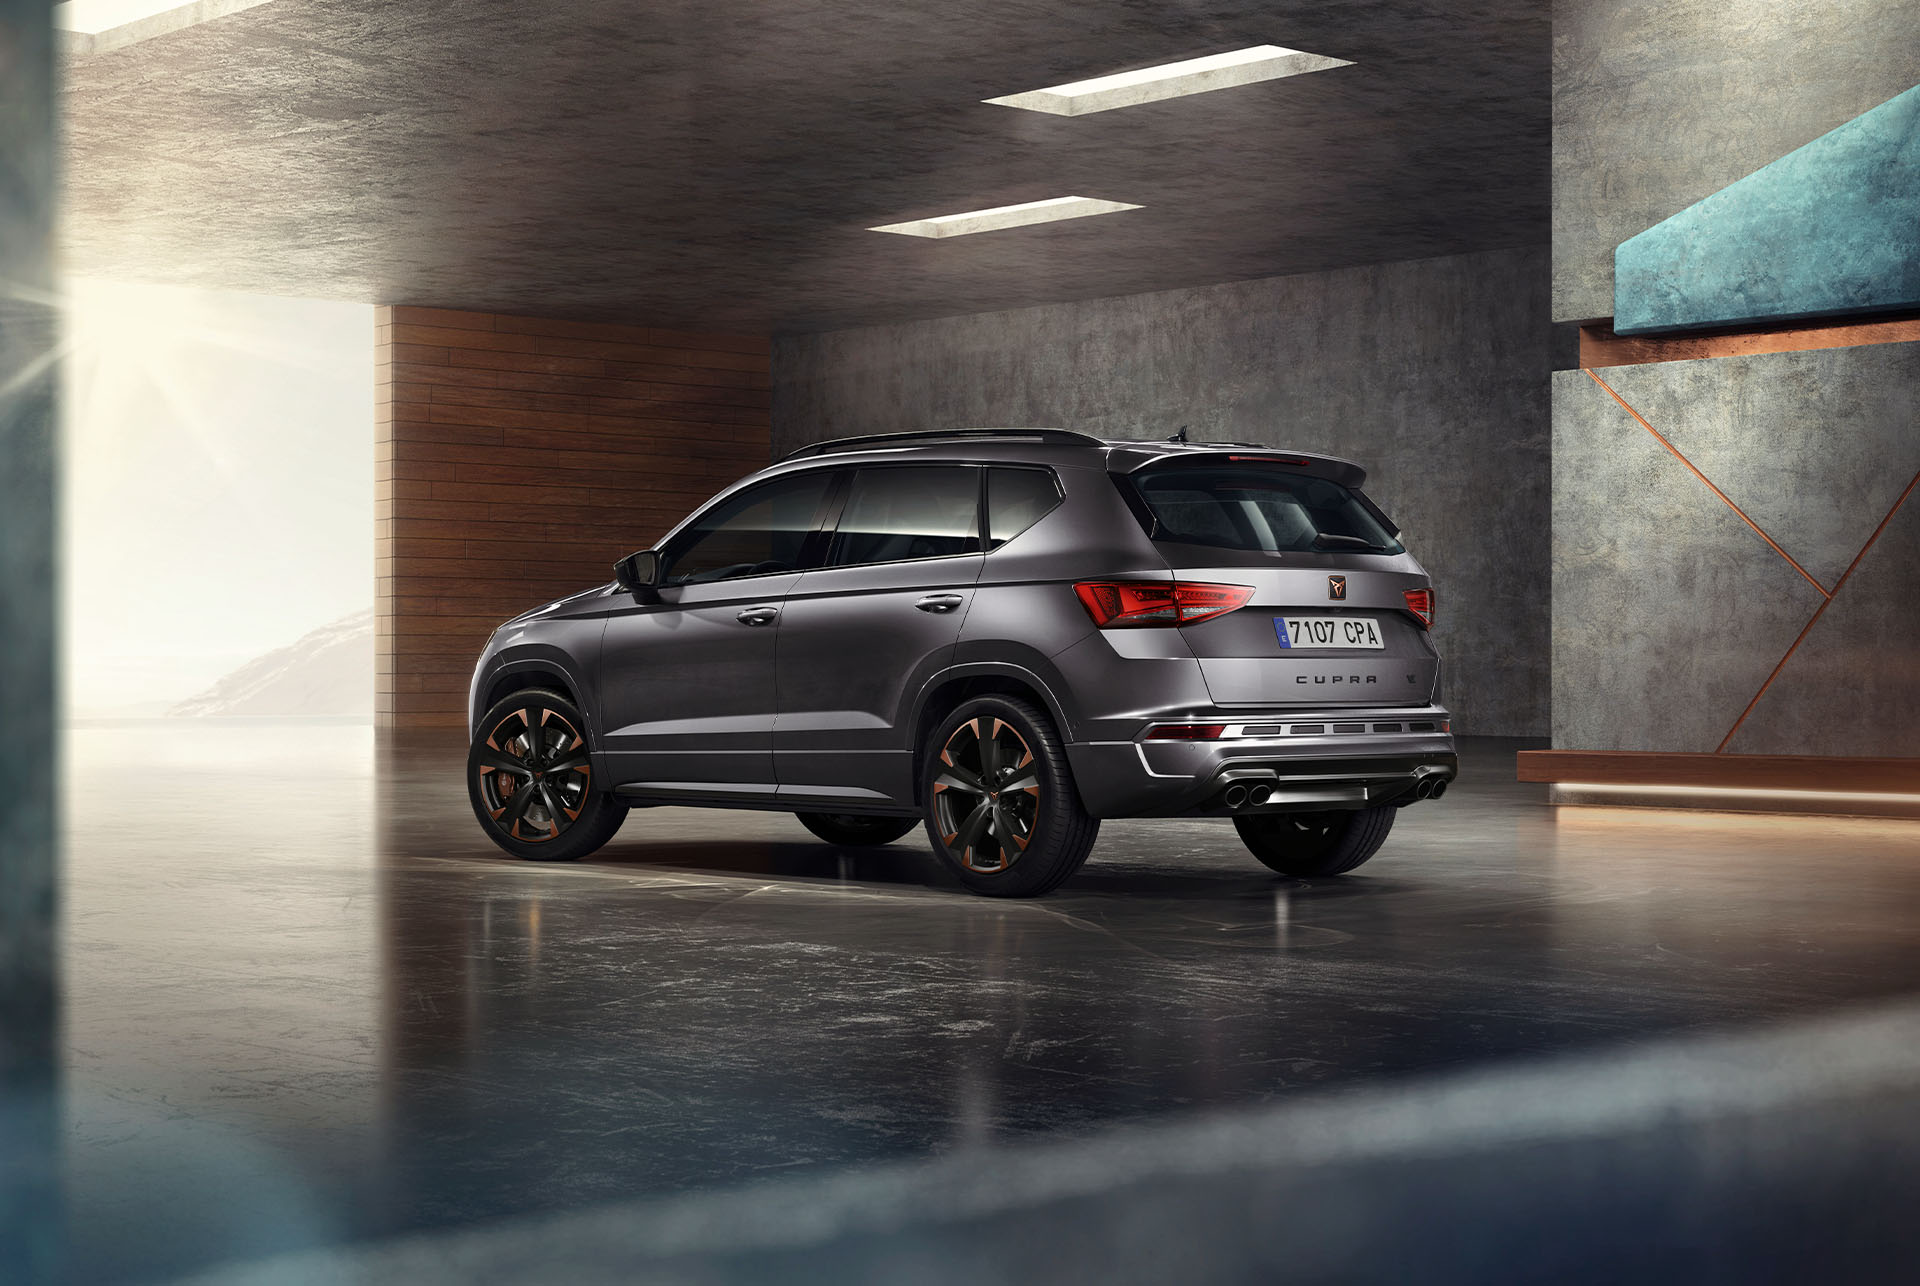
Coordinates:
[95,26]
[1171,80]
[1005,216]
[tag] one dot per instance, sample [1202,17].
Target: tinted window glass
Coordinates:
[758,531]
[1238,506]
[1016,499]
[908,512]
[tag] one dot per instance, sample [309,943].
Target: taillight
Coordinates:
[1123,604]
[1187,732]
[1420,603]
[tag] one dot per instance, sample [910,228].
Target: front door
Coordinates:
[688,683]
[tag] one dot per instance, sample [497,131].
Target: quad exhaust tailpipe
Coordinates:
[1247,795]
[1256,793]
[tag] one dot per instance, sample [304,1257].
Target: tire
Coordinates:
[1035,802]
[576,818]
[851,830]
[1315,843]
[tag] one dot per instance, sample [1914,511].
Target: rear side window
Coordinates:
[906,512]
[1017,499]
[1245,506]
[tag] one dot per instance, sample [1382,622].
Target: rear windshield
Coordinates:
[1240,506]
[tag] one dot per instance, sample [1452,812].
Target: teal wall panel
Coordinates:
[1830,229]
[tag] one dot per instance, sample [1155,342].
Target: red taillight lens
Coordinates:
[1420,603]
[1187,732]
[1123,604]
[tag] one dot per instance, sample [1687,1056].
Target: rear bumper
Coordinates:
[1286,761]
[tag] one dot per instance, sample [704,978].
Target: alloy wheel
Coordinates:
[534,774]
[986,798]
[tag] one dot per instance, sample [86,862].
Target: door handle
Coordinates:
[940,602]
[758,615]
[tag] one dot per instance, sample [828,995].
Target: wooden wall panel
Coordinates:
[605,435]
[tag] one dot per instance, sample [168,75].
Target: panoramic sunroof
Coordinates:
[1171,80]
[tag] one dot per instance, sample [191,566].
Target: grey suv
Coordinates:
[1006,634]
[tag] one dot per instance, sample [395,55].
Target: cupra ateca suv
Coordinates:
[1005,634]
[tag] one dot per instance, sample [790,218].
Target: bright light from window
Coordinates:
[1005,216]
[109,24]
[217,498]
[1171,80]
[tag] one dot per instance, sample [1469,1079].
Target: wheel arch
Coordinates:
[531,668]
[945,693]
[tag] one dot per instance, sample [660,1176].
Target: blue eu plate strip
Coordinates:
[1280,628]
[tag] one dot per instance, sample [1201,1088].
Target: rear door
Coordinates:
[1329,622]
[861,634]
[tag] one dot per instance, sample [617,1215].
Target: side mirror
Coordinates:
[639,575]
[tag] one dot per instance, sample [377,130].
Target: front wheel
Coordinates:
[530,778]
[850,830]
[1001,807]
[1330,843]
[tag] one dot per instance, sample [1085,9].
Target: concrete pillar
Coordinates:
[28,611]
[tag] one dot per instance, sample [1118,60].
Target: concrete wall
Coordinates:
[1671,613]
[1679,624]
[1658,103]
[516,458]
[29,690]
[1433,374]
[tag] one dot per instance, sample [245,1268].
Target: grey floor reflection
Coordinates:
[309,1002]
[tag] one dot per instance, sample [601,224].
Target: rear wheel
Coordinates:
[1001,807]
[530,778]
[1315,843]
[850,830]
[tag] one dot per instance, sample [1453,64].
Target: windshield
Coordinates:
[1246,506]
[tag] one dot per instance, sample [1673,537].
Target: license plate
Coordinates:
[1343,632]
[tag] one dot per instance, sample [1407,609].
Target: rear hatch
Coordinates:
[1329,622]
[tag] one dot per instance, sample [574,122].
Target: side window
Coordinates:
[759,531]
[908,512]
[1017,499]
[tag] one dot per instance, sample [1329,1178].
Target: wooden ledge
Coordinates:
[1600,347]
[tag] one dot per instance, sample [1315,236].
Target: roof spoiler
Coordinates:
[1130,458]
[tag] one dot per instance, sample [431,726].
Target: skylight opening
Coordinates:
[93,26]
[1171,80]
[1005,216]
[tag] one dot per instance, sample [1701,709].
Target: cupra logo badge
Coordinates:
[1336,587]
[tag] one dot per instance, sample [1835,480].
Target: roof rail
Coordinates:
[1063,437]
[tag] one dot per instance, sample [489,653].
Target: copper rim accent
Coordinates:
[534,774]
[986,797]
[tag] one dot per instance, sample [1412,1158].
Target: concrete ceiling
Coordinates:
[715,163]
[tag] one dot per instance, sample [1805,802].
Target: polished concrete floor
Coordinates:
[308,1003]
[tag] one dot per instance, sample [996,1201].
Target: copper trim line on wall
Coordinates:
[1817,614]
[1724,498]
[1826,595]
